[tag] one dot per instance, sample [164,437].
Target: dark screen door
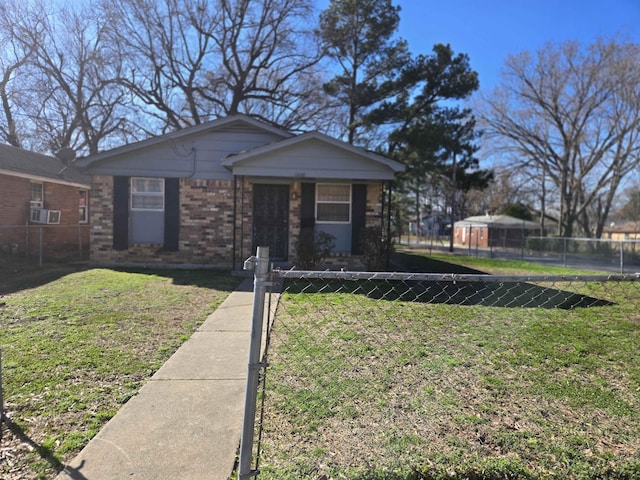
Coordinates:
[271,219]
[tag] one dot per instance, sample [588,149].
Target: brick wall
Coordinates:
[206,226]
[207,231]
[244,221]
[475,236]
[295,212]
[66,240]
[101,211]
[15,194]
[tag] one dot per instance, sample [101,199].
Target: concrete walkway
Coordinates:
[185,423]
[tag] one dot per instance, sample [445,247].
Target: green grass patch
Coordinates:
[423,261]
[76,348]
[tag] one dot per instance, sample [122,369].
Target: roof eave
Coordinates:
[44,178]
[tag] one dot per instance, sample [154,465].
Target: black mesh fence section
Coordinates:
[403,376]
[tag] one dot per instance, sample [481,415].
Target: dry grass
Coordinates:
[76,345]
[370,388]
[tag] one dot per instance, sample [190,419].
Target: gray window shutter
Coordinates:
[171,213]
[120,213]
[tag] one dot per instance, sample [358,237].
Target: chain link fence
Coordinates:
[617,255]
[43,243]
[611,255]
[408,376]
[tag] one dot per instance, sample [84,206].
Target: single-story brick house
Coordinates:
[485,231]
[622,231]
[210,193]
[43,200]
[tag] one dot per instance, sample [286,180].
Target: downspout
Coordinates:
[193,163]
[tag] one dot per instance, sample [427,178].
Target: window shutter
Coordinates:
[308,207]
[358,216]
[120,213]
[171,213]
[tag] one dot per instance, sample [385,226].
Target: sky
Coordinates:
[490,30]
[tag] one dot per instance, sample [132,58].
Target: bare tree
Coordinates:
[163,55]
[506,187]
[191,60]
[8,69]
[15,54]
[265,56]
[572,113]
[68,94]
[98,74]
[84,105]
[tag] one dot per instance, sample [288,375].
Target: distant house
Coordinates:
[622,231]
[211,193]
[486,231]
[431,225]
[44,202]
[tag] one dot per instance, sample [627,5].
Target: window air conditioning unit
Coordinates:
[43,215]
[34,204]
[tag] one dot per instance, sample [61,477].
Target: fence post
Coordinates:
[260,265]
[477,241]
[564,252]
[40,247]
[621,257]
[80,241]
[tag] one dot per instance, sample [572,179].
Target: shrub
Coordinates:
[312,248]
[376,248]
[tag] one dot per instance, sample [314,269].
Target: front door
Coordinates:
[271,219]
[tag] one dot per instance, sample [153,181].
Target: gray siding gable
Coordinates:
[240,145]
[313,156]
[195,152]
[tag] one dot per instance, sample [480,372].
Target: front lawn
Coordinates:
[76,346]
[363,385]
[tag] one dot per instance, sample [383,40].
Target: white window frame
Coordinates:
[83,210]
[41,201]
[342,202]
[146,194]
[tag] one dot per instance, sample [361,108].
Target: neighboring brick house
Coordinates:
[43,201]
[487,231]
[622,231]
[209,194]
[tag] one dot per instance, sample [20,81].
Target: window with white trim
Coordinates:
[37,194]
[83,205]
[333,203]
[147,194]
